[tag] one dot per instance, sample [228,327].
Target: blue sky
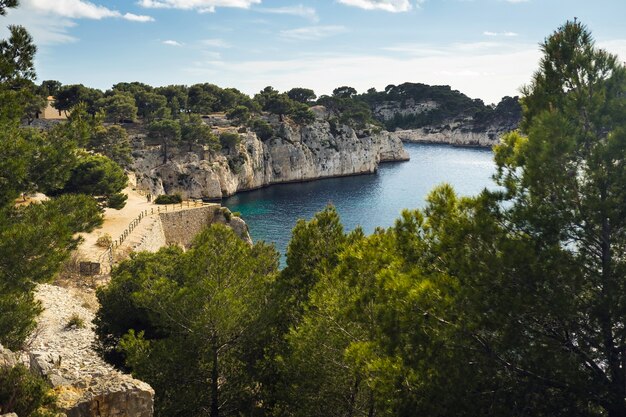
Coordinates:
[484,48]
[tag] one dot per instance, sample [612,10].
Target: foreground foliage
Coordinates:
[36,238]
[183,321]
[25,394]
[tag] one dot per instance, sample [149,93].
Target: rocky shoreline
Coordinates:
[295,154]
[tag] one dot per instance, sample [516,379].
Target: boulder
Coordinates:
[8,359]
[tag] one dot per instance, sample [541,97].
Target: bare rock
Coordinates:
[85,384]
[8,359]
[322,149]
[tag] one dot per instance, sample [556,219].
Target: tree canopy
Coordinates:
[192,316]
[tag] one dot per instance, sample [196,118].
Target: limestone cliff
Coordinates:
[456,133]
[294,153]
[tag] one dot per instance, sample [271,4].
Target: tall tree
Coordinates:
[113,142]
[195,132]
[118,107]
[198,309]
[98,176]
[302,95]
[69,96]
[565,180]
[151,106]
[16,56]
[35,239]
[166,132]
[49,88]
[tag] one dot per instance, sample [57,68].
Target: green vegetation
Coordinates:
[25,394]
[229,141]
[166,132]
[118,107]
[184,322]
[194,132]
[36,239]
[509,303]
[263,130]
[112,142]
[98,176]
[169,199]
[104,241]
[451,105]
[75,322]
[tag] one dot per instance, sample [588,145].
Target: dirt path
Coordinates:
[115,222]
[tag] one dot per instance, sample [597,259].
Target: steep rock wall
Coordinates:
[320,150]
[452,135]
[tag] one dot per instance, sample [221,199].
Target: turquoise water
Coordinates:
[365,200]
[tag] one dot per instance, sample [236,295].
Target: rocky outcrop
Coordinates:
[458,134]
[61,351]
[8,359]
[293,154]
[438,114]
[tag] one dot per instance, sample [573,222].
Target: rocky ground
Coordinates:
[61,349]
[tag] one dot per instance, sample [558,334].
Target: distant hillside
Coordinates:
[413,106]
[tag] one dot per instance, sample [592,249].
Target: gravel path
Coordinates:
[69,349]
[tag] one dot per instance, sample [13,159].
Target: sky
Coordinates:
[484,48]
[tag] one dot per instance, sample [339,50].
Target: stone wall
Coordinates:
[181,227]
[153,238]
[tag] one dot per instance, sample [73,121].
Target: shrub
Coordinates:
[75,322]
[227,214]
[263,130]
[104,241]
[25,394]
[169,199]
[229,140]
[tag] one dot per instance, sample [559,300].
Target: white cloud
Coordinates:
[137,18]
[215,43]
[79,9]
[45,31]
[507,34]
[49,21]
[312,33]
[202,6]
[394,6]
[170,42]
[76,9]
[299,10]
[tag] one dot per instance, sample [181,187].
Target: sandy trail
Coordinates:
[115,222]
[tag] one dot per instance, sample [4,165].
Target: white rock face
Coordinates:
[294,154]
[452,135]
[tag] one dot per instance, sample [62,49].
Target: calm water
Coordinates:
[366,200]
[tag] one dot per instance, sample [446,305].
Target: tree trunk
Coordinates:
[354,392]
[372,410]
[215,409]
